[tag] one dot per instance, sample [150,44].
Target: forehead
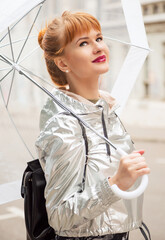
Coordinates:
[83,35]
[78,25]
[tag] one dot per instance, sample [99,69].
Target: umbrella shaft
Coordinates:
[68,110]
[16,67]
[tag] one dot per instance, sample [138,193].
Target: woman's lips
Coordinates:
[100,59]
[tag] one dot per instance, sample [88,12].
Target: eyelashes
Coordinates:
[99,38]
[84,43]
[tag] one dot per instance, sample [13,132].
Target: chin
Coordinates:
[104,70]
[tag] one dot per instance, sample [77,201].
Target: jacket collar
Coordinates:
[84,104]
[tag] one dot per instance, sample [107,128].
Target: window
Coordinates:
[155,8]
[145,10]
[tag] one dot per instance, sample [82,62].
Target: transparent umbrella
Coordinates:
[23,87]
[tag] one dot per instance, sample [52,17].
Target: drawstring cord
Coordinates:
[86,153]
[105,131]
[105,134]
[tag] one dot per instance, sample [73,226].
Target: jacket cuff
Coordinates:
[109,196]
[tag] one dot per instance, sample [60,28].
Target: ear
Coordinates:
[61,64]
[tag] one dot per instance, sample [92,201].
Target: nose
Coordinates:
[97,47]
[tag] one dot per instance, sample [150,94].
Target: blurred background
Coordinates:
[143,115]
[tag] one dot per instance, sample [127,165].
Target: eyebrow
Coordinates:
[84,38]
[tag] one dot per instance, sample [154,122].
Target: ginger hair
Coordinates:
[61,31]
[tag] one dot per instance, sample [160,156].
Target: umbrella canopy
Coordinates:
[12,13]
[137,53]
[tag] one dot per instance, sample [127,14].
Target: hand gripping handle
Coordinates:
[132,194]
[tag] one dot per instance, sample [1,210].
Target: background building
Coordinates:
[153,78]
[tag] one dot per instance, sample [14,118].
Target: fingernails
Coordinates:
[141,152]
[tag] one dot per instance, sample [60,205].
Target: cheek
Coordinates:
[78,58]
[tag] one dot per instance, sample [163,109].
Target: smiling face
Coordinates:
[87,55]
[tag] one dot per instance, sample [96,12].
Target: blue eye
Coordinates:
[83,44]
[99,39]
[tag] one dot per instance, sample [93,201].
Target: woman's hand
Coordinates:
[131,167]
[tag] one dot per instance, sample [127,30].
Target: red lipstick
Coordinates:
[100,59]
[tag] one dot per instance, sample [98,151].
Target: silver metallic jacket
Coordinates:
[88,207]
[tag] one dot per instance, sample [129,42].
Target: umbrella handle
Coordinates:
[132,194]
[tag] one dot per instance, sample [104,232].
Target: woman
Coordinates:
[79,166]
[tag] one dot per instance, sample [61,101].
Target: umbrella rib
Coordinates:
[8,62]
[3,60]
[67,109]
[28,54]
[3,69]
[17,41]
[15,66]
[12,121]
[28,34]
[9,72]
[11,45]
[6,75]
[127,43]
[22,18]
[11,85]
[39,77]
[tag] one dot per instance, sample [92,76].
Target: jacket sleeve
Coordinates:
[61,151]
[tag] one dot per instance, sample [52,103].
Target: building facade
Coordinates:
[151,81]
[154,69]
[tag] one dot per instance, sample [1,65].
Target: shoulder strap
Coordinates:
[143,229]
[32,190]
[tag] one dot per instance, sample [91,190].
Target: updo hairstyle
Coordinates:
[58,34]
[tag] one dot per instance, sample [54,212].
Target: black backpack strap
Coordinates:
[32,190]
[143,229]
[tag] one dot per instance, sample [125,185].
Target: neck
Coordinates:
[87,88]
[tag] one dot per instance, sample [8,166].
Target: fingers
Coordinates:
[130,168]
[135,163]
[137,153]
[138,161]
[139,166]
[141,151]
[143,171]
[132,155]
